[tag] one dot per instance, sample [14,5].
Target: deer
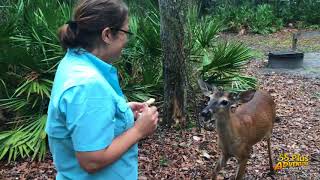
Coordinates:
[241,120]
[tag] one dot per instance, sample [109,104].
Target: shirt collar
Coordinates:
[107,70]
[99,63]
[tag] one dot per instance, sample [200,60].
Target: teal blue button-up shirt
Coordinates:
[87,110]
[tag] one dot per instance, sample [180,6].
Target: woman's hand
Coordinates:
[147,122]
[137,108]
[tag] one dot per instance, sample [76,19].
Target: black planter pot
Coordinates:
[287,60]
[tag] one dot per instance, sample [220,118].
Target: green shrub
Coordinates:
[264,21]
[224,64]
[28,57]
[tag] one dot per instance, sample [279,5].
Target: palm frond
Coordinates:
[38,87]
[223,66]
[14,104]
[206,31]
[25,141]
[141,93]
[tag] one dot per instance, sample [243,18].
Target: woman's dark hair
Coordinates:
[90,17]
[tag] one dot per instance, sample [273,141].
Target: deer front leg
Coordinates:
[241,168]
[270,157]
[220,164]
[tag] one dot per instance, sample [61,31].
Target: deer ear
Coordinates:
[206,88]
[233,96]
[246,96]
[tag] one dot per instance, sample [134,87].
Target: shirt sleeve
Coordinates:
[89,111]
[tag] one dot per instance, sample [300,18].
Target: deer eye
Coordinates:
[224,102]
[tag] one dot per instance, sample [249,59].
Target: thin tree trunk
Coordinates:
[174,64]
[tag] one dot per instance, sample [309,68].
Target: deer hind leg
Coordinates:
[220,164]
[270,156]
[242,167]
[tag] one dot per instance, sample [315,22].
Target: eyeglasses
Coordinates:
[127,32]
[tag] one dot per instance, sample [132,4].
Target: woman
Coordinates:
[90,126]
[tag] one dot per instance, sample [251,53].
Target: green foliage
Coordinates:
[222,66]
[29,54]
[312,15]
[141,65]
[28,140]
[260,19]
[235,18]
[206,30]
[221,63]
[190,30]
[293,11]
[267,16]
[201,32]
[264,21]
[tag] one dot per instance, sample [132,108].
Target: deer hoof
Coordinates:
[271,173]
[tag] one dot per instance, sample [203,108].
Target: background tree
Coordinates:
[174,62]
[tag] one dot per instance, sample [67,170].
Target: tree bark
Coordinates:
[174,62]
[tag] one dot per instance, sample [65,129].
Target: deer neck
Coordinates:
[224,127]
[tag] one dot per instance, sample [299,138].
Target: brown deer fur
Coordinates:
[241,122]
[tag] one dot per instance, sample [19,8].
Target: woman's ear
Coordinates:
[106,35]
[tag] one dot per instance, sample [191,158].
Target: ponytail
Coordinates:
[67,36]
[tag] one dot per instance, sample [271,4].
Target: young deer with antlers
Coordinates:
[241,121]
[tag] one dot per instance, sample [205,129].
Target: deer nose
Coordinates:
[205,113]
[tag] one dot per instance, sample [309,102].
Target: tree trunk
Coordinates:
[174,62]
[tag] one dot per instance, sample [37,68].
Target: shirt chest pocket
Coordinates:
[124,117]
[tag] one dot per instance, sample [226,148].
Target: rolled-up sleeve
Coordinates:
[89,111]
